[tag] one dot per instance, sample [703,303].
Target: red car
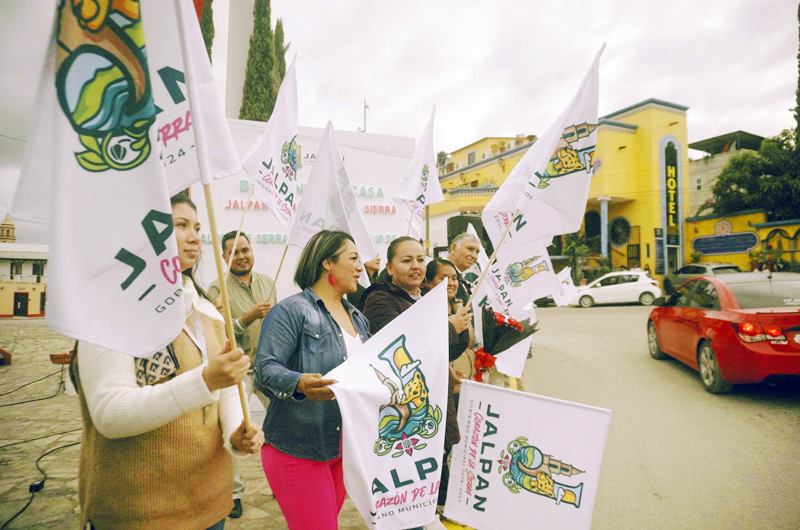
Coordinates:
[736,328]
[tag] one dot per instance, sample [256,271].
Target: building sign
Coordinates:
[739,243]
[659,255]
[671,209]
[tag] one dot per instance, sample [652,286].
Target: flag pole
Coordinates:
[275,279]
[206,175]
[223,291]
[410,220]
[238,233]
[491,260]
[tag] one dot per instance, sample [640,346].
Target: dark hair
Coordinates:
[433,268]
[396,243]
[323,245]
[183,198]
[232,235]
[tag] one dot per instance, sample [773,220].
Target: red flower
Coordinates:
[407,444]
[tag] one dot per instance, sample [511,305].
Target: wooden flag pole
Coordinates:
[275,279]
[410,220]
[223,291]
[491,260]
[238,233]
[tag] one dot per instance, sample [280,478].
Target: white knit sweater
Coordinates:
[120,408]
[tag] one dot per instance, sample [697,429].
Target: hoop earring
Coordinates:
[331,280]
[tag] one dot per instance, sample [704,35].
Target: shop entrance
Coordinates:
[20,304]
[673,263]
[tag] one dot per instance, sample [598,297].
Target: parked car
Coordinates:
[696,269]
[619,287]
[732,328]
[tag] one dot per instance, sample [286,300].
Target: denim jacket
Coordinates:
[300,336]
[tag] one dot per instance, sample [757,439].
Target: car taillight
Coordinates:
[755,332]
[654,283]
[773,332]
[750,331]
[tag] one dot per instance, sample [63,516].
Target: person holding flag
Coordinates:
[158,432]
[464,254]
[387,299]
[310,334]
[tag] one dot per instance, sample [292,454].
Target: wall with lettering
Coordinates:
[375,163]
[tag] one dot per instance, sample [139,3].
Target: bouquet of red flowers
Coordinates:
[499,334]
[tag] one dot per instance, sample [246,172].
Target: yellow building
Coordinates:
[638,197]
[23,287]
[745,239]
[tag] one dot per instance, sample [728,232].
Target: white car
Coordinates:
[619,287]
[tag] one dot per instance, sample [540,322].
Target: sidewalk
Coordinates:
[31,342]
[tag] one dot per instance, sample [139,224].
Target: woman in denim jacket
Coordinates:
[303,337]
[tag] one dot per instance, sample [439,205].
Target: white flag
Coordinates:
[419,186]
[524,275]
[273,161]
[568,290]
[525,460]
[196,143]
[329,202]
[392,394]
[114,277]
[550,185]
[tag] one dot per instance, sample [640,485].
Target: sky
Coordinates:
[497,68]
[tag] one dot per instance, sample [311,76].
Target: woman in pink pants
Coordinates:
[303,337]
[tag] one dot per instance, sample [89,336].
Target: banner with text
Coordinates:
[114,277]
[392,394]
[273,161]
[525,460]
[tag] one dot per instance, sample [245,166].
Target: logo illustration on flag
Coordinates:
[104,87]
[408,415]
[524,457]
[290,158]
[526,467]
[518,272]
[570,156]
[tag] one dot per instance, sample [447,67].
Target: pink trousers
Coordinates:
[310,493]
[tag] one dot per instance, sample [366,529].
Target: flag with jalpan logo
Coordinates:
[550,184]
[392,394]
[525,461]
[419,186]
[98,158]
[272,163]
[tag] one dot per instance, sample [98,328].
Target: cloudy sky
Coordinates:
[496,68]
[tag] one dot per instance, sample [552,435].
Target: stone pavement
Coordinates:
[31,342]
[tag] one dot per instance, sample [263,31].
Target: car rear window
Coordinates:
[726,270]
[767,294]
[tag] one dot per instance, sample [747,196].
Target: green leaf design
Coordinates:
[91,161]
[90,142]
[420,446]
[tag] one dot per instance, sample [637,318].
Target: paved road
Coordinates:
[676,457]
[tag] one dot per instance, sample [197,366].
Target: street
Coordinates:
[677,457]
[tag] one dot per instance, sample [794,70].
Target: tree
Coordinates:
[280,51]
[441,158]
[576,251]
[797,108]
[260,90]
[207,26]
[768,180]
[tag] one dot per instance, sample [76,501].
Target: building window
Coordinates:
[471,157]
[620,231]
[699,184]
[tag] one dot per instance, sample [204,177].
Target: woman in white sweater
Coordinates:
[156,449]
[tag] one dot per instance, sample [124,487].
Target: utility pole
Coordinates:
[365,115]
